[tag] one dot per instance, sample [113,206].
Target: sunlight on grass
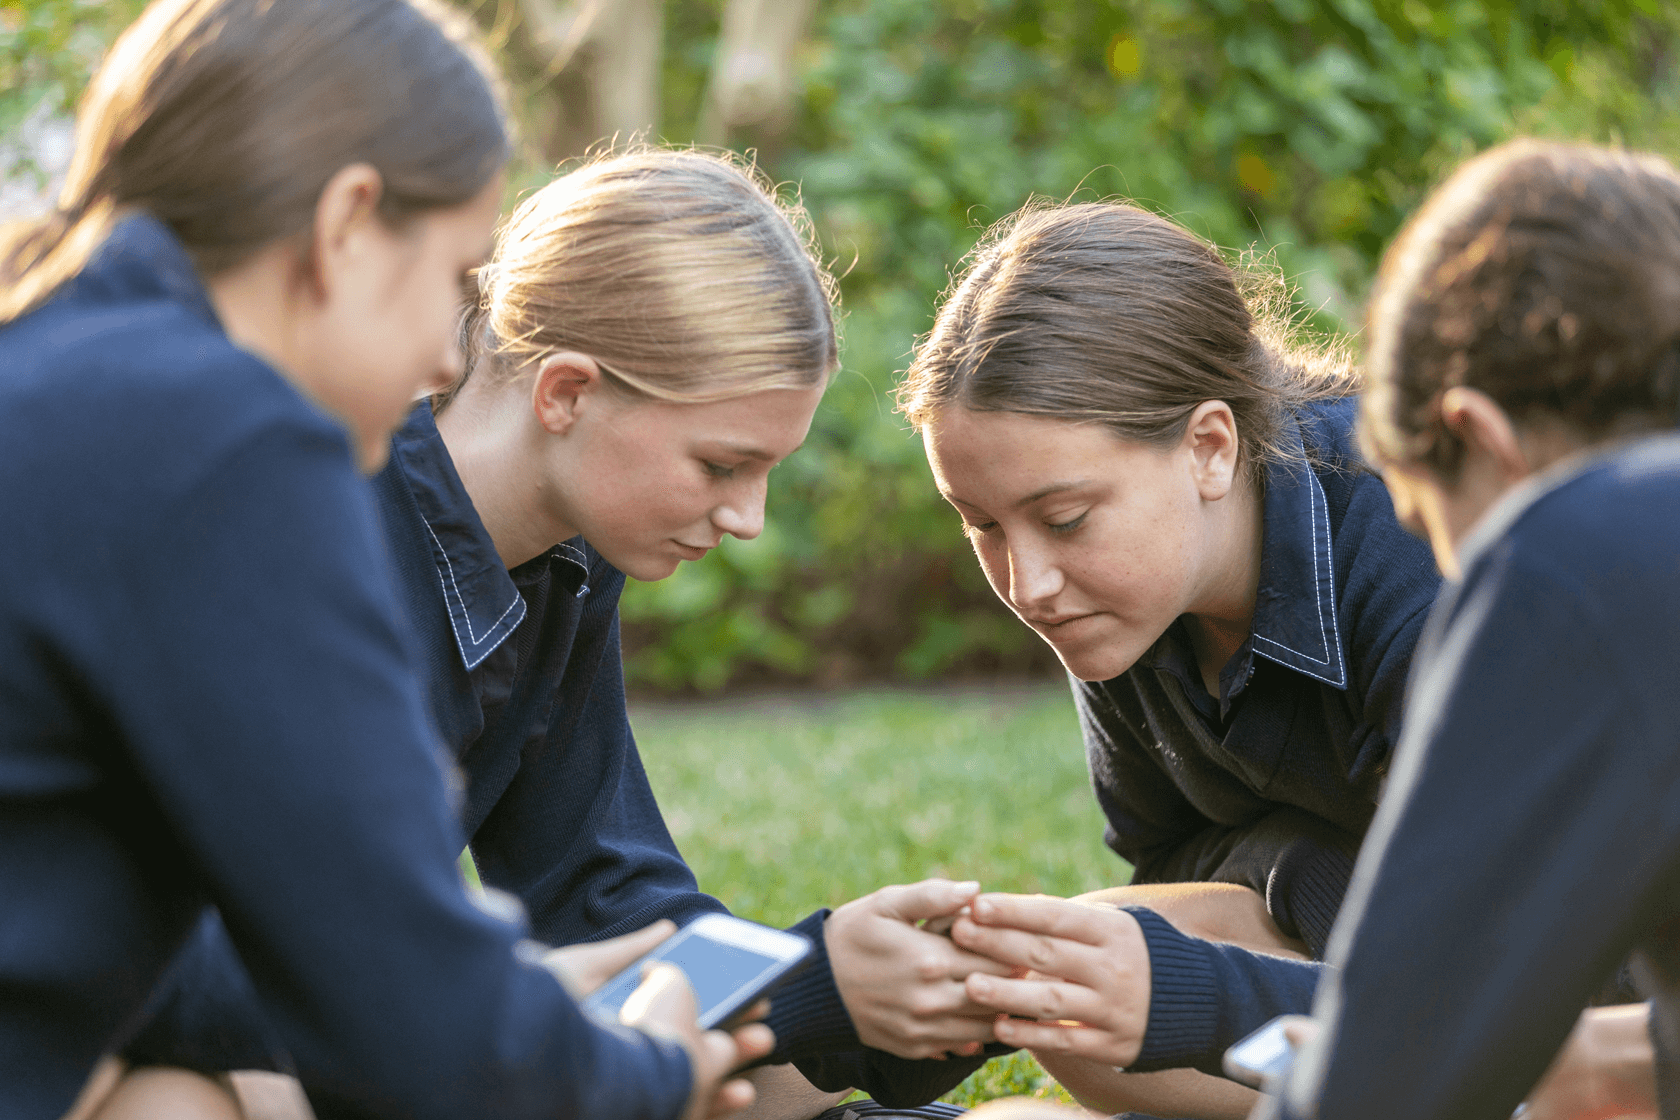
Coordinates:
[785,804]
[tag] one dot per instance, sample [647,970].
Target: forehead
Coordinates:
[768,424]
[1012,450]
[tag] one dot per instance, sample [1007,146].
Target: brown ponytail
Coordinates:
[1544,275]
[224,119]
[1106,313]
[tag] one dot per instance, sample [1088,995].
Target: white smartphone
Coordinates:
[1262,1056]
[732,963]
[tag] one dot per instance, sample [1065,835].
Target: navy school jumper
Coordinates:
[1529,840]
[523,674]
[1272,784]
[208,696]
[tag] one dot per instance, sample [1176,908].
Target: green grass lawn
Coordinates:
[785,804]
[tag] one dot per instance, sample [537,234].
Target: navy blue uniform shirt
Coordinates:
[1530,836]
[1529,840]
[524,679]
[1273,783]
[207,695]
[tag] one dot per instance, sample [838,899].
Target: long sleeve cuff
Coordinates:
[1203,996]
[1183,996]
[815,1032]
[807,1013]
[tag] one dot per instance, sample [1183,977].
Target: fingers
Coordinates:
[1071,1039]
[1074,960]
[1037,999]
[732,1096]
[752,1042]
[930,898]
[664,1004]
[1299,1029]
[583,968]
[1054,917]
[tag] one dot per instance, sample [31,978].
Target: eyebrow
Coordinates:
[747,452]
[1041,492]
[1053,488]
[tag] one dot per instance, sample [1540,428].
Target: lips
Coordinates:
[691,552]
[1051,626]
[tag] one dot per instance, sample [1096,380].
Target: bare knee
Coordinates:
[1225,912]
[167,1094]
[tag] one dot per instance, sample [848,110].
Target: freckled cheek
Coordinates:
[1130,582]
[994,562]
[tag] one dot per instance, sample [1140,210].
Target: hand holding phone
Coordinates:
[731,963]
[1266,1055]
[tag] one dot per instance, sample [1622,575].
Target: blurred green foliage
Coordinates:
[831,797]
[1303,129]
[47,50]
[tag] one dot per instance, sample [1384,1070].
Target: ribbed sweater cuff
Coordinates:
[1183,996]
[1306,890]
[806,1012]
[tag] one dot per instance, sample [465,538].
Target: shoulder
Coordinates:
[131,404]
[1612,526]
[150,368]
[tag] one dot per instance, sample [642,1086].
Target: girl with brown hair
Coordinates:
[651,337]
[1524,364]
[207,695]
[1164,488]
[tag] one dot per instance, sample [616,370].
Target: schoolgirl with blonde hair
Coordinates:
[209,708]
[652,335]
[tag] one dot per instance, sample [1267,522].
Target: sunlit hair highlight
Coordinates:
[1544,275]
[225,119]
[681,273]
[1105,313]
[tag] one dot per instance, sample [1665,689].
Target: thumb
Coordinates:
[583,968]
[930,898]
[664,1005]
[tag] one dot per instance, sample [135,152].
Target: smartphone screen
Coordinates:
[729,966]
[1263,1056]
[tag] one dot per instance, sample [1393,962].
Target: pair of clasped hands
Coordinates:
[926,970]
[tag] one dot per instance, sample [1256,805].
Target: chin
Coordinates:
[373,455]
[1102,662]
[647,569]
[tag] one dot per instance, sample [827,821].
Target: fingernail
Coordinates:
[968,886]
[980,982]
[981,908]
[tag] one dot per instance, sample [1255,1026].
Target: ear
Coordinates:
[1485,430]
[348,206]
[566,384]
[1210,436]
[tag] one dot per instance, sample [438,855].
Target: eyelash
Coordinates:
[1067,526]
[718,470]
[972,530]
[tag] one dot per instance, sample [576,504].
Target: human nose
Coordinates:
[1034,578]
[451,364]
[742,512]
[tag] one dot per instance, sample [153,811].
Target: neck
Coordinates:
[496,447]
[254,301]
[1220,621]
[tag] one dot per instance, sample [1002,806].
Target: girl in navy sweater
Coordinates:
[1167,492]
[207,691]
[652,336]
[1525,382]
